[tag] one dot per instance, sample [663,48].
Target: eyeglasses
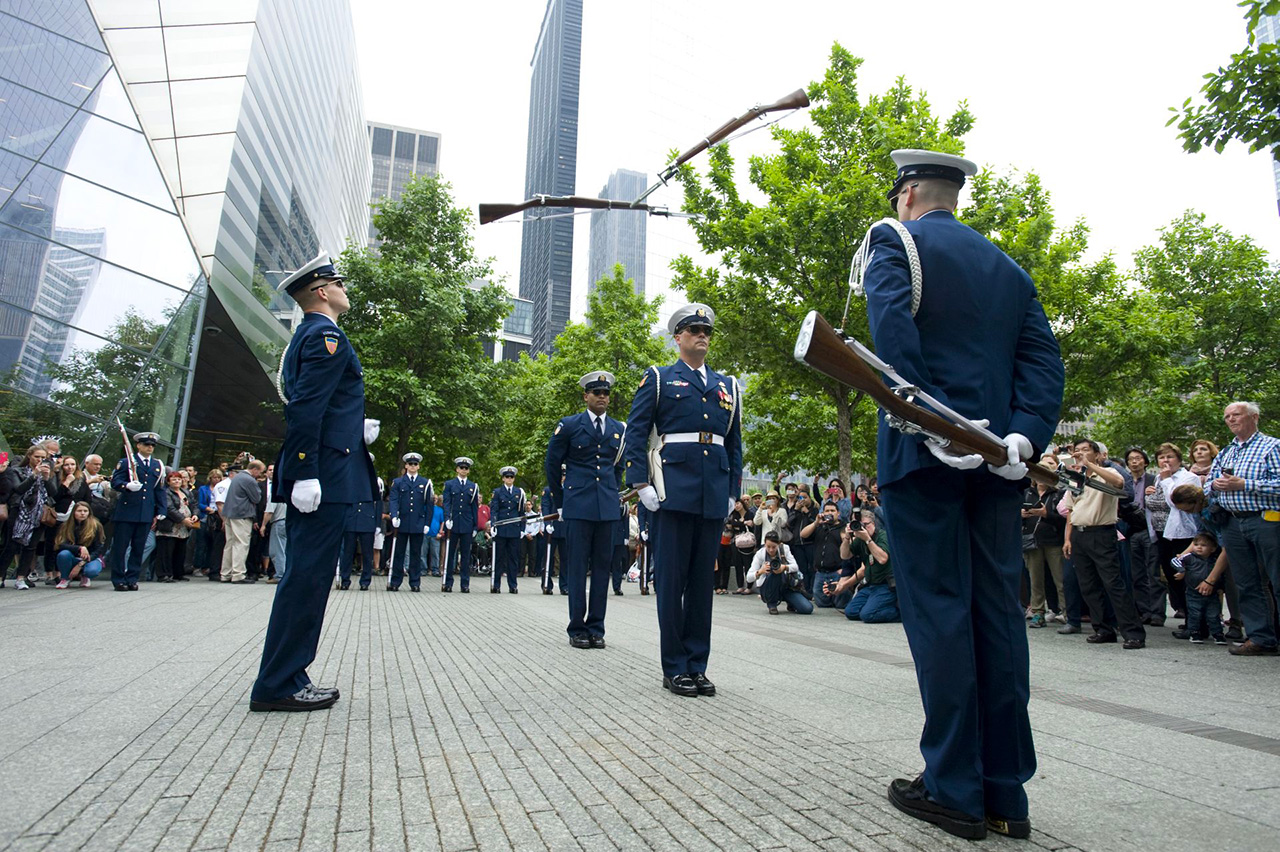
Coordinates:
[893,202]
[411,464]
[600,392]
[698,329]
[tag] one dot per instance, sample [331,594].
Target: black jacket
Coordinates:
[96,549]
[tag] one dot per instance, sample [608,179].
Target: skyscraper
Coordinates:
[546,251]
[618,237]
[399,155]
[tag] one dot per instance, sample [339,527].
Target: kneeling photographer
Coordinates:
[777,577]
[868,547]
[828,535]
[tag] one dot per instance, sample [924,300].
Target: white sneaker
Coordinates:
[22,584]
[84,582]
[62,584]
[1060,617]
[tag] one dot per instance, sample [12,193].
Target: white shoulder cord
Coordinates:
[862,257]
[280,376]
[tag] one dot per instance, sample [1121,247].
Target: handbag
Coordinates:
[785,535]
[48,516]
[745,541]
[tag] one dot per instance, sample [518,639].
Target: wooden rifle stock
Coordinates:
[795,100]
[824,349]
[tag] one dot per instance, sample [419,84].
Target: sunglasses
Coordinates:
[600,392]
[698,329]
[338,282]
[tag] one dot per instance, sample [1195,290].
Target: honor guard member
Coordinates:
[461,516]
[362,524]
[696,414]
[969,330]
[412,503]
[140,505]
[590,446]
[324,469]
[554,532]
[506,502]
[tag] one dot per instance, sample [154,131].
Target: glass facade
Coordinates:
[399,154]
[618,237]
[551,164]
[153,179]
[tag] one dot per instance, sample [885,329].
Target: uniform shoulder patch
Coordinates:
[330,343]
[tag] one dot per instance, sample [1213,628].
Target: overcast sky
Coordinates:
[1078,93]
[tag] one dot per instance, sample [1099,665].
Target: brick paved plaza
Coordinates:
[467,722]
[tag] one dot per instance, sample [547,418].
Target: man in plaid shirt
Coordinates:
[1245,480]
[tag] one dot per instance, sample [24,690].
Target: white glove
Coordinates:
[133,486]
[649,497]
[395,522]
[306,495]
[448,524]
[960,461]
[644,535]
[1019,447]
[551,528]
[372,428]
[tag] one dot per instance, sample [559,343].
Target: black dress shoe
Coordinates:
[120,587]
[617,591]
[548,591]
[391,588]
[466,590]
[1018,829]
[1100,638]
[514,591]
[681,684]
[493,590]
[580,641]
[133,587]
[415,588]
[705,687]
[446,588]
[364,587]
[913,799]
[597,641]
[325,690]
[303,700]
[344,585]
[564,591]
[1134,644]
[1181,634]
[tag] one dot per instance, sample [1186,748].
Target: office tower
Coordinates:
[399,154]
[618,237]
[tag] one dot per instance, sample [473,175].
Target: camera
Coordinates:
[854,525]
[775,563]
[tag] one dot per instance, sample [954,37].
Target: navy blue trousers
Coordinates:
[459,545]
[955,539]
[313,545]
[408,546]
[349,541]
[506,560]
[684,558]
[133,536]
[588,552]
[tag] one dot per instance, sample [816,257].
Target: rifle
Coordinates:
[796,100]
[844,359]
[493,212]
[128,452]
[623,497]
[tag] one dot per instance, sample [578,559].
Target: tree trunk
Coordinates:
[844,416]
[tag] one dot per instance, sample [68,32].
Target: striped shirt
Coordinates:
[1257,461]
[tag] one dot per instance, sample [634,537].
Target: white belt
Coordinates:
[693,438]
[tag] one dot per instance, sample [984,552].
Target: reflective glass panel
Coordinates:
[181,337]
[126,13]
[64,69]
[155,110]
[206,106]
[155,403]
[135,236]
[67,285]
[25,416]
[139,54]
[205,161]
[70,18]
[110,101]
[212,51]
[382,141]
[29,121]
[118,158]
[12,172]
[184,12]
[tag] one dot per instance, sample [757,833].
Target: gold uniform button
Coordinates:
[597,479]
[704,416]
[704,452]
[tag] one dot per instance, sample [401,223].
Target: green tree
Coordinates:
[1217,297]
[789,254]
[616,335]
[420,314]
[1242,99]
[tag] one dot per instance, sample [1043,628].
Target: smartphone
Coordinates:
[1228,471]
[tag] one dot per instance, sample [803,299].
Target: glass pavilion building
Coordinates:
[163,163]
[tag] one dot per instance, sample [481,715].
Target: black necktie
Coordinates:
[600,427]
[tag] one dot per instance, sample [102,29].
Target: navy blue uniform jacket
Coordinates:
[324,384]
[413,502]
[462,505]
[979,343]
[594,467]
[699,477]
[364,517]
[139,506]
[503,505]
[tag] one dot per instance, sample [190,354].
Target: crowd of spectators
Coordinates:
[1196,538]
